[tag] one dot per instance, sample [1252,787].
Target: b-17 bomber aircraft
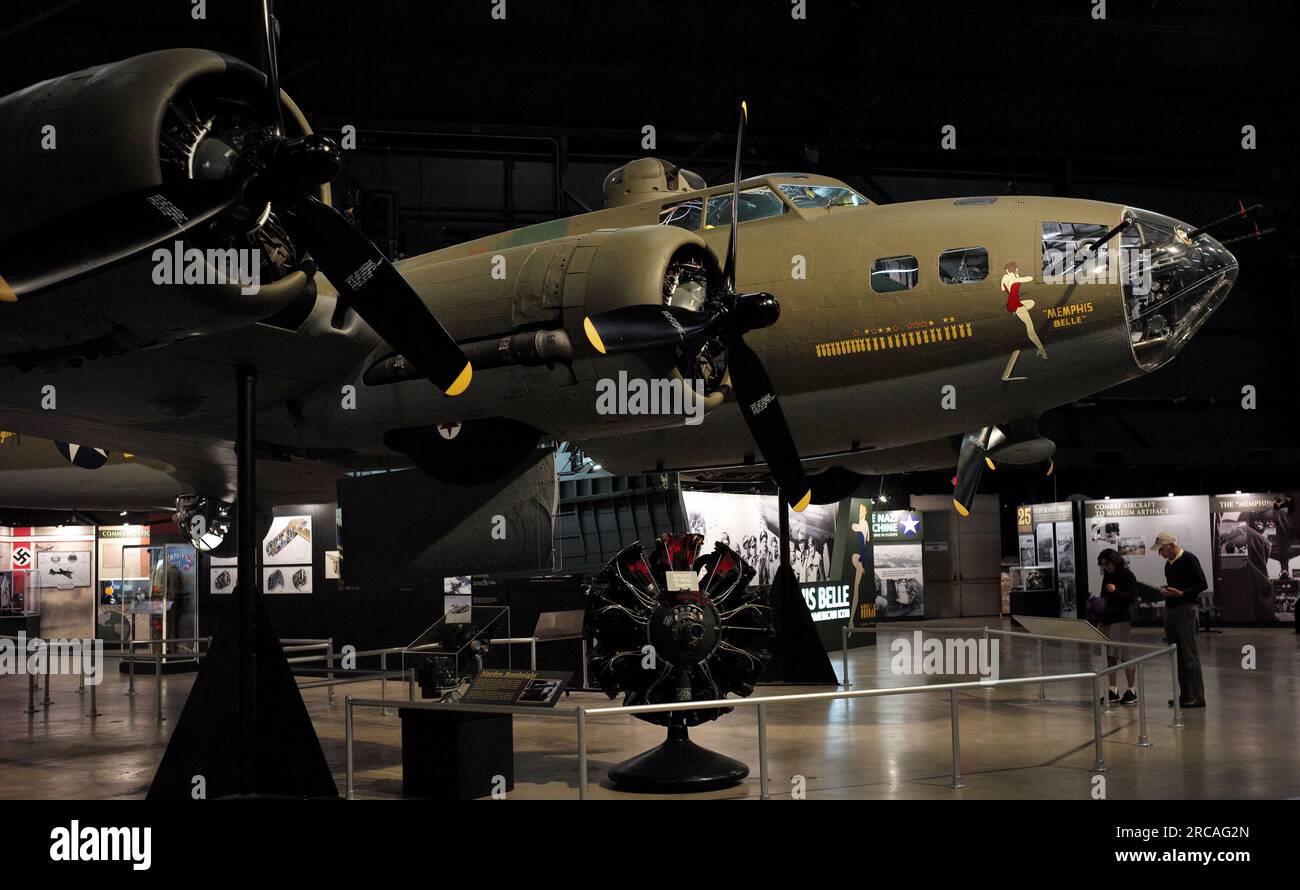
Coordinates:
[818,336]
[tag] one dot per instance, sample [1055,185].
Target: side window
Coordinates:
[755,203]
[963,265]
[893,273]
[686,215]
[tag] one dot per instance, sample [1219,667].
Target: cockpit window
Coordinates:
[963,265]
[893,273]
[755,203]
[815,197]
[1064,253]
[685,215]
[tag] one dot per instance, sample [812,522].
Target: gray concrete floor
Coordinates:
[898,747]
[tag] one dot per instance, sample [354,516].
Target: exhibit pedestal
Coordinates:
[456,755]
[12,625]
[678,766]
[1041,603]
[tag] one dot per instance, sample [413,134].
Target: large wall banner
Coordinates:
[1256,548]
[1130,526]
[749,524]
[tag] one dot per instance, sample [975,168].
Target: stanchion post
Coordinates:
[157,684]
[383,680]
[844,656]
[582,753]
[94,712]
[31,694]
[347,743]
[1042,687]
[410,686]
[1143,741]
[1105,653]
[1098,764]
[130,672]
[329,674]
[762,752]
[1173,674]
[956,741]
[46,701]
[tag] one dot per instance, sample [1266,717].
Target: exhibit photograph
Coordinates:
[774,400]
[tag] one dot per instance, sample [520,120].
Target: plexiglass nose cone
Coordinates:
[1172,283]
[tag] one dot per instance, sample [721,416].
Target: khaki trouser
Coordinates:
[1180,629]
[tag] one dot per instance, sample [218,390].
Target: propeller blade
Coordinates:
[109,232]
[645,327]
[379,294]
[970,465]
[766,421]
[271,62]
[729,267]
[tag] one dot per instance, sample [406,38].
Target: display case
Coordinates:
[20,602]
[153,598]
[19,594]
[451,651]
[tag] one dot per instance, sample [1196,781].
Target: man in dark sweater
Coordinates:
[1185,583]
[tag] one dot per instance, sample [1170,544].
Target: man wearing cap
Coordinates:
[1185,582]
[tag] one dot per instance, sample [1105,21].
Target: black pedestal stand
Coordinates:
[799,658]
[677,766]
[245,686]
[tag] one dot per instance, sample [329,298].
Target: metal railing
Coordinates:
[1104,645]
[582,714]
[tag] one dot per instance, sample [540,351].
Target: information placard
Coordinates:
[530,688]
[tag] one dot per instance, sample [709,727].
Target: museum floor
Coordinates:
[896,747]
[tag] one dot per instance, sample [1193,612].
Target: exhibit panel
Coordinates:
[896,537]
[1255,558]
[1049,560]
[1130,525]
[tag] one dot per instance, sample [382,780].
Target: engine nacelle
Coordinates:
[560,281]
[72,140]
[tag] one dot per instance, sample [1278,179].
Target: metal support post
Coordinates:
[1099,764]
[1143,741]
[956,741]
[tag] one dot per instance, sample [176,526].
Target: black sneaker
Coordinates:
[1130,698]
[1112,697]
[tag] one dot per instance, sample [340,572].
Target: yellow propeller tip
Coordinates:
[960,509]
[592,336]
[7,294]
[804,502]
[744,107]
[1050,467]
[991,465]
[461,383]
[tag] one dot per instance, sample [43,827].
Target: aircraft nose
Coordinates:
[1176,279]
